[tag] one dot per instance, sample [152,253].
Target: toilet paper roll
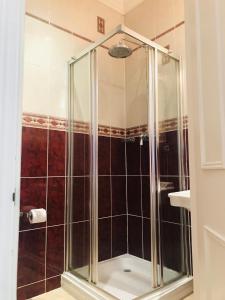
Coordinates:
[37,216]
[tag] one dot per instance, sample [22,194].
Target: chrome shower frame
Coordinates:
[153,48]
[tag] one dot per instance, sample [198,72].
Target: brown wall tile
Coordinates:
[56,200]
[104,238]
[55,251]
[31,256]
[119,235]
[104,196]
[118,195]
[30,291]
[34,152]
[56,153]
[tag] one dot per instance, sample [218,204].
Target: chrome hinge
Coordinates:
[14,197]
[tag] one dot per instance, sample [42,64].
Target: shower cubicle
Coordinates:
[126,152]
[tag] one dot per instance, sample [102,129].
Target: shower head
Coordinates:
[120,50]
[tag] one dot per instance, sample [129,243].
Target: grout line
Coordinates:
[77,222]
[39,228]
[111,189]
[168,31]
[137,216]
[44,177]
[65,200]
[107,175]
[114,216]
[52,277]
[51,226]
[29,284]
[127,208]
[174,223]
[46,231]
[32,229]
[81,176]
[142,222]
[30,177]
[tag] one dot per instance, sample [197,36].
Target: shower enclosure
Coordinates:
[126,152]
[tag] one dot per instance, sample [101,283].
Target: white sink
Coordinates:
[181,199]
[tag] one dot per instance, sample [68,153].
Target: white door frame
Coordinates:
[11,65]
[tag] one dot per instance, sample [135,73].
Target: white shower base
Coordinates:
[114,279]
[114,283]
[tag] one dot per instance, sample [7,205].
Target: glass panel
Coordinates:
[124,231]
[79,173]
[170,218]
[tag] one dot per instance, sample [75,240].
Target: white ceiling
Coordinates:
[122,6]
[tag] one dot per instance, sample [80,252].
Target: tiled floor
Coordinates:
[60,294]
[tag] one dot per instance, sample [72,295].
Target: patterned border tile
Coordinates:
[104,130]
[54,123]
[34,120]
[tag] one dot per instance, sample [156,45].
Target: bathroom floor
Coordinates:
[60,294]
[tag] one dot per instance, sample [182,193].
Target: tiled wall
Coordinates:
[171,222]
[112,208]
[80,241]
[138,185]
[41,246]
[124,200]
[138,197]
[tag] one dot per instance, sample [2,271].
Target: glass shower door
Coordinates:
[170,224]
[79,168]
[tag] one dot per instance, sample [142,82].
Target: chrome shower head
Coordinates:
[120,50]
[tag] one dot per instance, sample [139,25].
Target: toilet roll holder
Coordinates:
[25,214]
[34,215]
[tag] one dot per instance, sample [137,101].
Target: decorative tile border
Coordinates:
[44,122]
[34,120]
[136,131]
[54,123]
[104,130]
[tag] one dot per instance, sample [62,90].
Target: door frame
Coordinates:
[12,14]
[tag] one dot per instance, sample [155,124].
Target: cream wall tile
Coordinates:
[111,89]
[37,49]
[111,105]
[111,70]
[82,90]
[36,89]
[48,49]
[63,47]
[136,88]
[167,90]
